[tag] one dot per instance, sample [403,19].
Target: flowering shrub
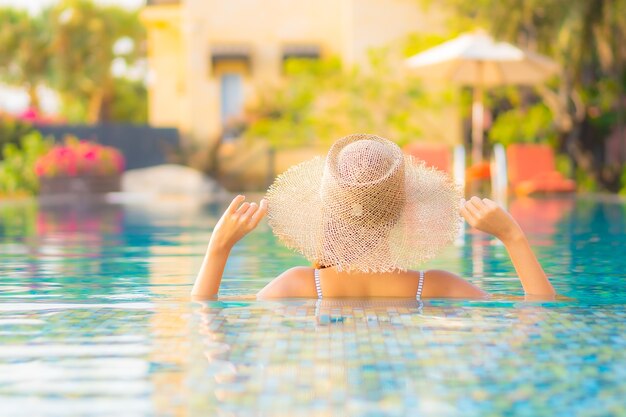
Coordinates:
[80,158]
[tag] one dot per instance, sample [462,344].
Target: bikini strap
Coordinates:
[420,285]
[318,287]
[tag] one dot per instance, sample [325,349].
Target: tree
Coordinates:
[130,104]
[588,38]
[25,53]
[321,101]
[71,47]
[85,36]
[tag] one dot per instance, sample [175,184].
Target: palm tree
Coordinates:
[83,45]
[25,53]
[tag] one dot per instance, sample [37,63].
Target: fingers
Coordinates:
[234,205]
[474,206]
[250,211]
[490,204]
[258,215]
[242,209]
[467,215]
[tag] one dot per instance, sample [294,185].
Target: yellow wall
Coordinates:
[377,23]
[184,89]
[166,84]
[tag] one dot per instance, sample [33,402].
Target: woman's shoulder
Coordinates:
[299,282]
[294,282]
[444,284]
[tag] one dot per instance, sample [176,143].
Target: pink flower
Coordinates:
[76,158]
[39,168]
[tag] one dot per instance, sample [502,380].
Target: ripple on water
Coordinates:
[95,320]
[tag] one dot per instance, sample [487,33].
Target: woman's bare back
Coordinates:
[300,282]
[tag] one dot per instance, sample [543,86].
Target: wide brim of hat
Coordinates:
[428,222]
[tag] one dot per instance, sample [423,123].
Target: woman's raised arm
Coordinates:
[489,217]
[238,220]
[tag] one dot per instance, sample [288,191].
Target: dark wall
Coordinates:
[142,146]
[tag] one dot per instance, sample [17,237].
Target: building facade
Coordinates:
[208,57]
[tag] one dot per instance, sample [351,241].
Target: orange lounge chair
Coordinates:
[479,171]
[441,157]
[531,169]
[435,155]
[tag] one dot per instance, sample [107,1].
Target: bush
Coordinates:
[130,104]
[585,182]
[531,125]
[17,169]
[323,101]
[12,131]
[622,191]
[79,158]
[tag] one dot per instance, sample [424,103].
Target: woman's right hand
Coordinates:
[237,221]
[489,217]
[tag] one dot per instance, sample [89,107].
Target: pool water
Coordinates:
[95,320]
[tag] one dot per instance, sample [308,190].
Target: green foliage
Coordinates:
[573,31]
[70,47]
[11,131]
[587,38]
[18,219]
[520,125]
[622,190]
[130,103]
[419,42]
[25,50]
[585,182]
[563,164]
[323,101]
[85,36]
[17,169]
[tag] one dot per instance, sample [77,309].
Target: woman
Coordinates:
[363,216]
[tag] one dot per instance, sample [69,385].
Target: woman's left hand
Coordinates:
[487,216]
[238,220]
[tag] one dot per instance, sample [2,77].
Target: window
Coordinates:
[231,96]
[225,54]
[301,52]
[231,103]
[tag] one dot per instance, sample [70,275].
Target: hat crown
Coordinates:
[363,183]
[365,161]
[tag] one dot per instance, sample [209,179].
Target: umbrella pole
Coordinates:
[478,118]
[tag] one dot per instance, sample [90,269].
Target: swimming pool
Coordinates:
[95,320]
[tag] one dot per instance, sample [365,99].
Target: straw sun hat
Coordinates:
[365,207]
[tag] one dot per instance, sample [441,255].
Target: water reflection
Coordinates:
[95,320]
[392,358]
[541,217]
